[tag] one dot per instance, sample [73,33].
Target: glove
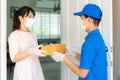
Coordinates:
[57,56]
[71,52]
[36,51]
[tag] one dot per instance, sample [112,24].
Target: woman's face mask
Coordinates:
[29,22]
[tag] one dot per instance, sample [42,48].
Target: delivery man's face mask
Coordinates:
[82,26]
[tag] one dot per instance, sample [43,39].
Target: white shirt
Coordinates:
[28,68]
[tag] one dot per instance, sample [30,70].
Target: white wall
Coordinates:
[73,36]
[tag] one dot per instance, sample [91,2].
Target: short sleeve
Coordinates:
[13,45]
[35,37]
[87,56]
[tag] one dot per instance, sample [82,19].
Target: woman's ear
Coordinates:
[20,18]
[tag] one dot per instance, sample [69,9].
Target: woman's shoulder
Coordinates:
[14,33]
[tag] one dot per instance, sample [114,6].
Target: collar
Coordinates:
[92,33]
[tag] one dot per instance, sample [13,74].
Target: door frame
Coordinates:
[3,34]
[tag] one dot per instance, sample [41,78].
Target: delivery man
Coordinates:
[93,59]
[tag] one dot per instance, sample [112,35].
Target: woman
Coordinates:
[23,47]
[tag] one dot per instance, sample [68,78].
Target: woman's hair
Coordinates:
[23,11]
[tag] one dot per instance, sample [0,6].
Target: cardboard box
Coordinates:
[53,47]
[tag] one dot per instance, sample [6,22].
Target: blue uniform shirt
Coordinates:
[93,56]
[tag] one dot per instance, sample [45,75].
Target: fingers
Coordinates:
[43,51]
[42,55]
[57,56]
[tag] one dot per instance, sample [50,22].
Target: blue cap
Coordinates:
[91,10]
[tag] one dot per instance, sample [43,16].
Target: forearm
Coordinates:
[20,56]
[75,68]
[77,56]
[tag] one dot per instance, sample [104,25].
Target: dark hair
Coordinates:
[25,10]
[95,21]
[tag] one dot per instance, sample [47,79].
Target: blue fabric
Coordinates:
[94,57]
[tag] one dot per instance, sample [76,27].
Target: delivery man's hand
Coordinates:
[36,51]
[57,56]
[71,52]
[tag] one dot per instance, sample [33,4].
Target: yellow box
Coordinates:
[53,47]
